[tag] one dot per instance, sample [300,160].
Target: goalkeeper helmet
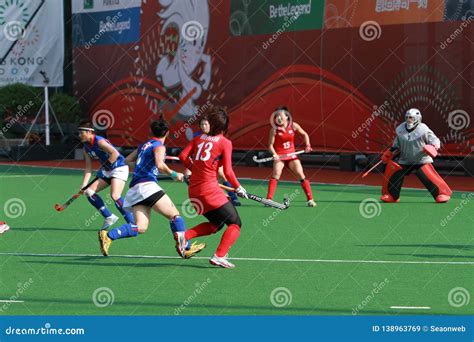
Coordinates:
[412,118]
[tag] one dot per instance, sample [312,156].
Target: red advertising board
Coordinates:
[347,87]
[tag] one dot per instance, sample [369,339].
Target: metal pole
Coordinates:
[46,114]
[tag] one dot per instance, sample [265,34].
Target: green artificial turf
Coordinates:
[302,261]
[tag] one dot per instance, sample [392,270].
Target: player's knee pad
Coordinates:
[390,170]
[89,192]
[432,176]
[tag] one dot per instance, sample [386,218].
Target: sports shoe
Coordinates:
[104,242]
[3,227]
[222,262]
[194,249]
[109,221]
[180,243]
[442,198]
[389,199]
[311,203]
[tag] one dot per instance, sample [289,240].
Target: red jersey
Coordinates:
[285,141]
[203,156]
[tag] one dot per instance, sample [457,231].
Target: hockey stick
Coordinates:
[264,160]
[283,206]
[73,198]
[373,167]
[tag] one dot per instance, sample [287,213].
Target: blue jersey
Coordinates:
[145,166]
[95,152]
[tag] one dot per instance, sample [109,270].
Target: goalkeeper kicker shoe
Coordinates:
[222,262]
[311,203]
[104,242]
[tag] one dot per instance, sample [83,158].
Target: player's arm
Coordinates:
[432,144]
[229,172]
[271,141]
[305,136]
[432,139]
[110,150]
[131,159]
[390,153]
[159,153]
[87,169]
[227,165]
[185,155]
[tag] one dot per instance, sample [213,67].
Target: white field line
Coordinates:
[411,307]
[337,261]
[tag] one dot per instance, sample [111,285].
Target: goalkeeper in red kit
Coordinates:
[203,156]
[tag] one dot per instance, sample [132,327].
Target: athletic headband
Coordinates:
[85,129]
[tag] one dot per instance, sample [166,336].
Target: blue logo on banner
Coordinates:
[106,28]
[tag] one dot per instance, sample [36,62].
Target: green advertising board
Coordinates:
[252,17]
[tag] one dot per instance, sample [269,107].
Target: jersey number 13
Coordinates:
[204,151]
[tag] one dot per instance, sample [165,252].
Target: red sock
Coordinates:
[202,229]
[272,185]
[228,238]
[307,189]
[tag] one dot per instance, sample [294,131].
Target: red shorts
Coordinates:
[210,199]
